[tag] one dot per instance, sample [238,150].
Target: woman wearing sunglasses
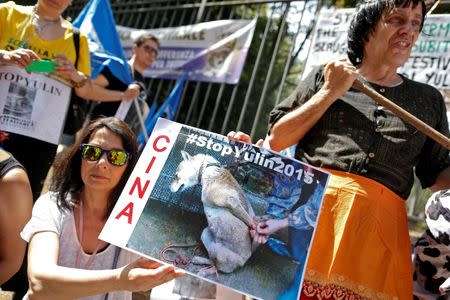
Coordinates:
[66,259]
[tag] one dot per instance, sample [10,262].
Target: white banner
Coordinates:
[211,51]
[430,57]
[33,105]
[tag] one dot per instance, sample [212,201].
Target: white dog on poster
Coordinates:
[227,209]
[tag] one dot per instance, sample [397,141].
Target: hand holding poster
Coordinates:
[228,212]
[32,104]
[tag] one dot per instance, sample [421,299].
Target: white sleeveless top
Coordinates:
[48,217]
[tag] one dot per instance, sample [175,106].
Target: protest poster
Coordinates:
[329,39]
[193,196]
[429,61]
[210,51]
[33,104]
[430,56]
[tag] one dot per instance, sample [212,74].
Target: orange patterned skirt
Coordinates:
[361,248]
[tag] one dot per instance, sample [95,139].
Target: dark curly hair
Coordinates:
[366,17]
[67,170]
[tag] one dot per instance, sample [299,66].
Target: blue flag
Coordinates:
[167,110]
[97,21]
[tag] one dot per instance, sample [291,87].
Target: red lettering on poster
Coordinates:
[127,212]
[150,164]
[159,145]
[155,143]
[137,184]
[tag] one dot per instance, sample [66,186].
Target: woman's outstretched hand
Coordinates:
[144,274]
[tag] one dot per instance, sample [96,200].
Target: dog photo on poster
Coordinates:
[228,212]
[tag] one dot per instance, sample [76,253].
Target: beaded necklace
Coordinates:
[34,18]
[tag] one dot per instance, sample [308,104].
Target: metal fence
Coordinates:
[271,70]
[270,73]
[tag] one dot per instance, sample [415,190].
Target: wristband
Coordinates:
[80,83]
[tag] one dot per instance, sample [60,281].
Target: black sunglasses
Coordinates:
[93,153]
[150,50]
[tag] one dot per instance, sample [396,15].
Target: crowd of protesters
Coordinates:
[42,27]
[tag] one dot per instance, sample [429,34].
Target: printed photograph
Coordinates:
[19,101]
[232,214]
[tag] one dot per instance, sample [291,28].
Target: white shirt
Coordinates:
[47,216]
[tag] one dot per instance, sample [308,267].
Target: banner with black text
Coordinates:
[430,56]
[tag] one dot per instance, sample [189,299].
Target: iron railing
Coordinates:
[270,73]
[271,70]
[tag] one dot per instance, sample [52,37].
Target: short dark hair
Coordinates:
[145,37]
[367,15]
[67,171]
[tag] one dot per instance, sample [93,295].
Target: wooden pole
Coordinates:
[403,114]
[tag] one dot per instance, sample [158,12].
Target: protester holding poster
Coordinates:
[39,32]
[65,257]
[361,247]
[34,33]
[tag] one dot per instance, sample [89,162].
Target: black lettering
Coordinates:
[9,76]
[326,33]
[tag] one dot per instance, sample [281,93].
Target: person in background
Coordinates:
[432,250]
[361,247]
[66,260]
[16,202]
[40,32]
[145,50]
[33,33]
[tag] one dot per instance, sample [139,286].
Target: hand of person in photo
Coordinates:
[19,57]
[131,93]
[258,238]
[144,274]
[271,226]
[311,216]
